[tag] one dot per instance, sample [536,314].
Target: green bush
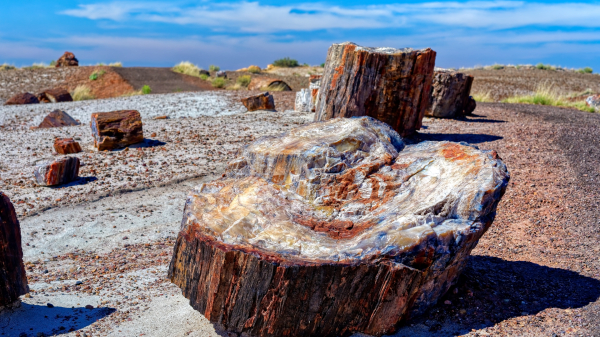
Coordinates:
[286,62]
[542,66]
[6,66]
[146,89]
[497,67]
[244,80]
[322,65]
[218,82]
[52,63]
[213,67]
[96,75]
[586,70]
[204,77]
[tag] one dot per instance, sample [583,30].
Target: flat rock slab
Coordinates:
[66,146]
[23,98]
[333,228]
[262,101]
[55,96]
[60,171]
[58,118]
[13,281]
[116,129]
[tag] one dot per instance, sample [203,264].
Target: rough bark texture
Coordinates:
[13,281]
[60,171]
[450,95]
[55,96]
[23,98]
[67,60]
[262,83]
[66,146]
[58,118]
[334,228]
[116,129]
[262,101]
[391,85]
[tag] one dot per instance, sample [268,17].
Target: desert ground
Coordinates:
[105,240]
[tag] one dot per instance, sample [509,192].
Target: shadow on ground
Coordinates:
[38,320]
[77,182]
[491,290]
[479,119]
[456,137]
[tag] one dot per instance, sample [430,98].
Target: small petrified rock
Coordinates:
[60,171]
[314,83]
[263,83]
[67,60]
[58,118]
[23,98]
[55,96]
[13,281]
[262,101]
[66,146]
[303,101]
[334,228]
[450,95]
[391,85]
[593,101]
[116,129]
[221,73]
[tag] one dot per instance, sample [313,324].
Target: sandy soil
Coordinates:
[106,240]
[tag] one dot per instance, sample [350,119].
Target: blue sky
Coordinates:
[235,34]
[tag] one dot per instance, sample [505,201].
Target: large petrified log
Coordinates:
[22,98]
[391,85]
[116,129]
[13,281]
[450,95]
[332,228]
[58,118]
[55,95]
[60,171]
[262,101]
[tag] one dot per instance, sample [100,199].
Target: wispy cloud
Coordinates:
[258,18]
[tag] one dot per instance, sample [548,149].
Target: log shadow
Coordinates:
[456,137]
[36,320]
[77,182]
[146,143]
[473,118]
[491,290]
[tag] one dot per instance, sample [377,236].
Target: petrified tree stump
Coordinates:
[13,281]
[55,96]
[450,95]
[23,98]
[334,228]
[66,146]
[67,60]
[58,118]
[116,129]
[60,171]
[262,101]
[391,85]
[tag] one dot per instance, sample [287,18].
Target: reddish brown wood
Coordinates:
[55,96]
[67,60]
[116,129]
[13,281]
[58,118]
[262,101]
[391,85]
[66,146]
[60,171]
[23,98]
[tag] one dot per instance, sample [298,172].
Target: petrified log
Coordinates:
[450,95]
[262,101]
[116,129]
[263,83]
[58,118]
[13,281]
[67,60]
[23,98]
[66,146]
[303,101]
[55,96]
[333,228]
[60,171]
[391,85]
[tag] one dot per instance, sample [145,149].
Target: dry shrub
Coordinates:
[547,94]
[484,96]
[6,66]
[243,81]
[82,93]
[187,68]
[218,82]
[115,64]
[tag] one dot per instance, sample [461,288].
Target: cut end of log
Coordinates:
[337,225]
[116,129]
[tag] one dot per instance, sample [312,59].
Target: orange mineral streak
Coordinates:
[455,152]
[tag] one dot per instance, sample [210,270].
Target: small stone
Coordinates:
[161,117]
[58,118]
[89,306]
[221,73]
[125,238]
[66,146]
[60,171]
[262,101]
[447,302]
[50,305]
[78,283]
[23,98]
[153,134]
[462,311]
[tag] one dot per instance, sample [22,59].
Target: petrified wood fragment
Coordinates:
[450,95]
[55,96]
[274,84]
[333,228]
[60,171]
[22,98]
[58,118]
[262,101]
[13,281]
[116,129]
[67,60]
[66,146]
[391,85]
[303,101]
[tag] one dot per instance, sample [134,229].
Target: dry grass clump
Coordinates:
[244,80]
[82,93]
[116,64]
[484,96]
[187,68]
[547,94]
[6,66]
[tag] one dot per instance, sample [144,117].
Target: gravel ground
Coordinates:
[535,273]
